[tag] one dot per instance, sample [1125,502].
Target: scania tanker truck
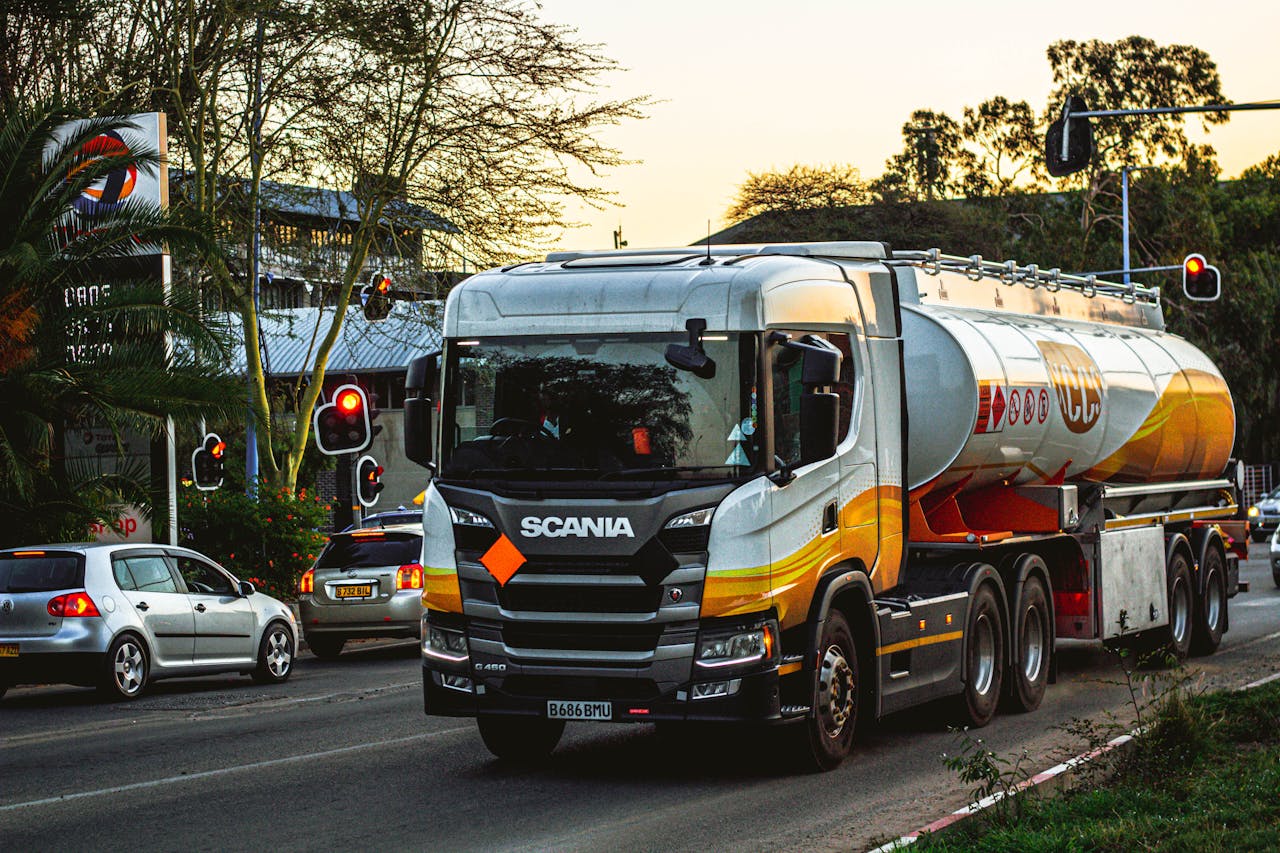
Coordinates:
[806,485]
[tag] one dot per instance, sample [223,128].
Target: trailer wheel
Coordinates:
[1032,638]
[1211,608]
[826,738]
[984,660]
[1177,640]
[520,739]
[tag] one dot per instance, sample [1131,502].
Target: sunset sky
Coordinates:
[750,86]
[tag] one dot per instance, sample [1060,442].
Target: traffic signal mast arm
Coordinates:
[1067,115]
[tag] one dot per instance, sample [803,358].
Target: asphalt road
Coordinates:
[341,757]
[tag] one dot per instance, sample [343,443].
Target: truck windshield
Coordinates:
[600,407]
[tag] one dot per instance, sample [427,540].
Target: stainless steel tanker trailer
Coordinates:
[806,485]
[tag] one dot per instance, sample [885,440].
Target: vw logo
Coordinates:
[7,607]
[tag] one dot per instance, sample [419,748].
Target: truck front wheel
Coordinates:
[828,733]
[520,738]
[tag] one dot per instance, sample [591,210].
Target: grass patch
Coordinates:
[1204,777]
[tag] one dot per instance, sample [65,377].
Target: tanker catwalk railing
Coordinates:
[933,262]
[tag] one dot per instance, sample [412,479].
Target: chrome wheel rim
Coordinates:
[984,659]
[1032,644]
[1181,610]
[130,668]
[279,653]
[1213,602]
[836,691]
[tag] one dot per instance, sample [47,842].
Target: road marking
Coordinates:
[1265,602]
[1261,681]
[224,771]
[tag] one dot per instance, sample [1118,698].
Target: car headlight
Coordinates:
[736,648]
[467,518]
[445,644]
[1254,512]
[697,518]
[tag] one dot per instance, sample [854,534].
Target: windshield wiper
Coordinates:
[531,473]
[657,473]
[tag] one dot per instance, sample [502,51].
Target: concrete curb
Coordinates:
[1056,778]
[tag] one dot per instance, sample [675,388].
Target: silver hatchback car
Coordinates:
[365,583]
[118,616]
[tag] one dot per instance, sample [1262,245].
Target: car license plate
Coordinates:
[560,709]
[362,591]
[8,650]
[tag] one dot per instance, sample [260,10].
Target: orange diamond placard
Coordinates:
[503,560]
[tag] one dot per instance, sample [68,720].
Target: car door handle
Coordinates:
[200,608]
[143,606]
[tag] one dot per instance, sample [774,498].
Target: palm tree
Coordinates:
[123,363]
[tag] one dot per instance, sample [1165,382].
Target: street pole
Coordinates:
[255,154]
[1124,215]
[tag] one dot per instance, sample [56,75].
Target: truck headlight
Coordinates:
[443,643]
[736,648]
[1254,512]
[467,518]
[697,518]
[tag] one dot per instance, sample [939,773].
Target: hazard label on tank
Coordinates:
[992,404]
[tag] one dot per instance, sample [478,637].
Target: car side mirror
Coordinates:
[246,589]
[419,385]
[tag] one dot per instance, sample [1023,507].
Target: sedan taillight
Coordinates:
[409,577]
[308,582]
[73,604]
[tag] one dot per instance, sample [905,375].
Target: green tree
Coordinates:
[476,110]
[1006,141]
[64,363]
[933,163]
[798,188]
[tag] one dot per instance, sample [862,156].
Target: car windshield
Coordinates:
[598,407]
[365,551]
[42,573]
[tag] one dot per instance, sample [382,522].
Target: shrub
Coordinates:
[269,542]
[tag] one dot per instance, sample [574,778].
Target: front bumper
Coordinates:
[756,698]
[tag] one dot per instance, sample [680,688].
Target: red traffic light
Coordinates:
[384,284]
[218,449]
[349,402]
[1195,265]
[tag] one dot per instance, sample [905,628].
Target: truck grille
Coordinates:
[579,599]
[581,637]
[562,687]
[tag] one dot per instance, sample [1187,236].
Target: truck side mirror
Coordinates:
[819,425]
[821,364]
[419,385]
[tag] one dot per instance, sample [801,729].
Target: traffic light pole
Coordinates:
[1155,111]
[344,474]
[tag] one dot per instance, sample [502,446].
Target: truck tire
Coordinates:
[1211,605]
[826,738]
[520,739]
[1177,637]
[1032,641]
[984,660]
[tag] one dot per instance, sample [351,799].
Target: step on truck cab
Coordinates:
[805,485]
